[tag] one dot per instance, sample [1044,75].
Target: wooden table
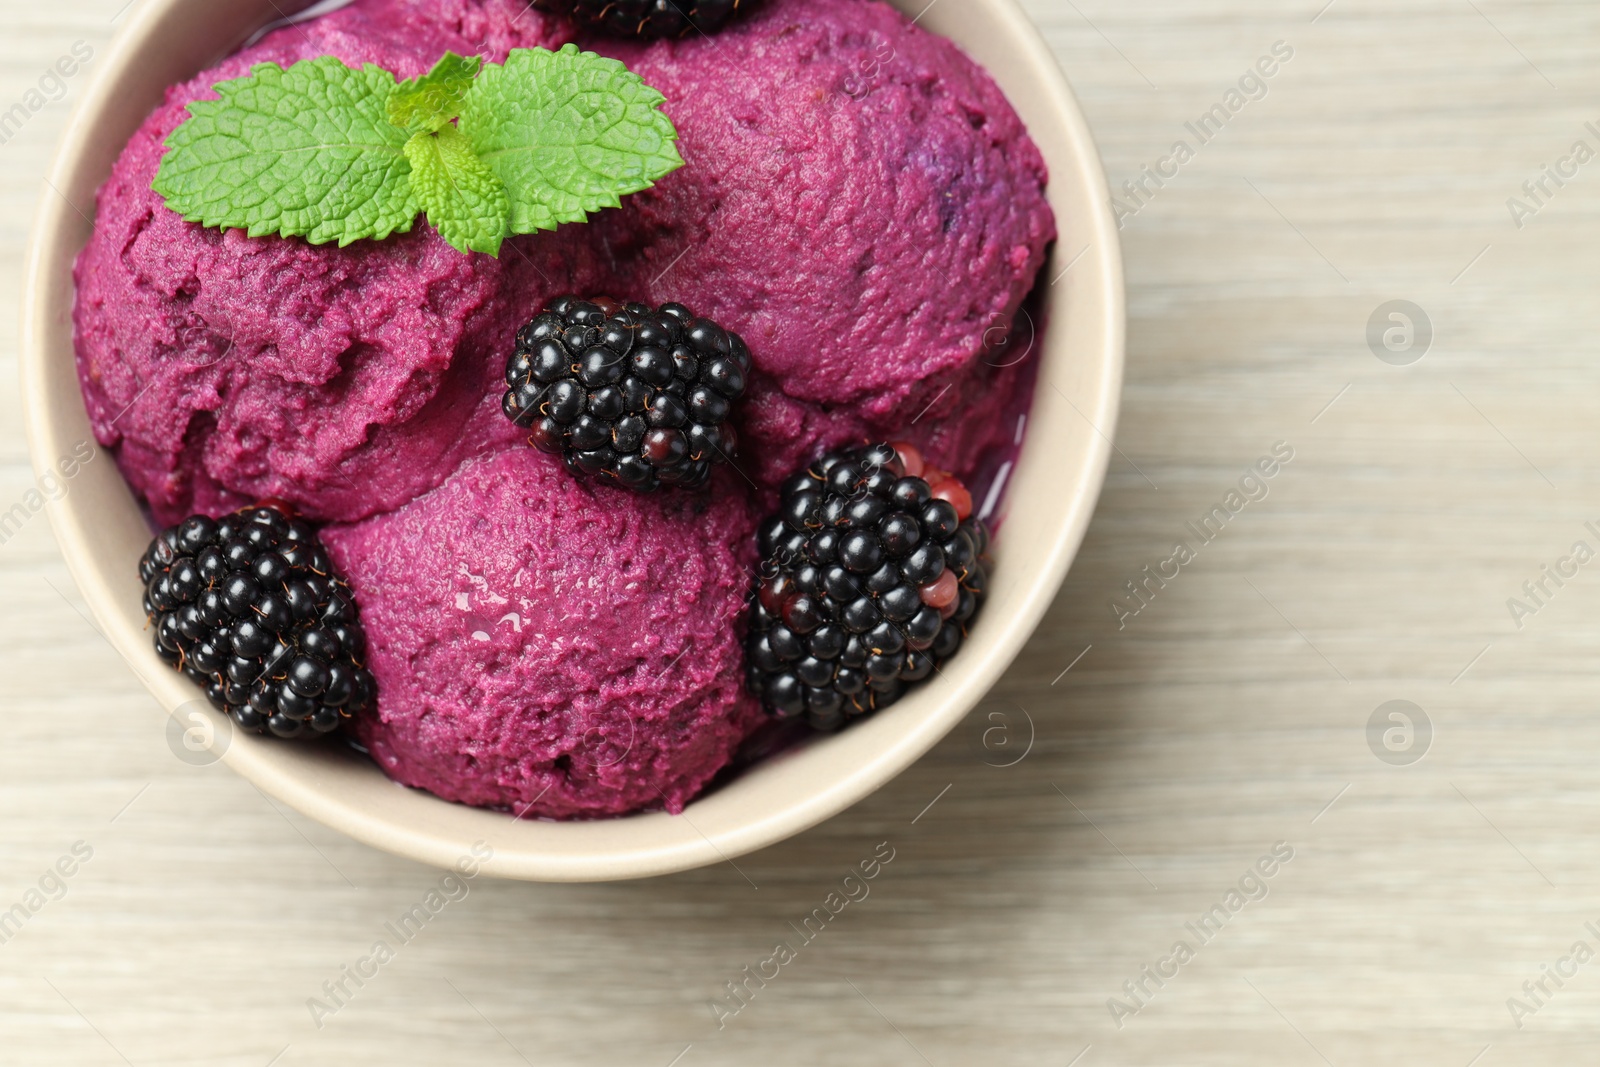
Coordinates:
[1231,714]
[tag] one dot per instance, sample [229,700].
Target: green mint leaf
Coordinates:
[464,200]
[307,151]
[431,101]
[568,133]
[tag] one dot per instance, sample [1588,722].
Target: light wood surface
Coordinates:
[1230,714]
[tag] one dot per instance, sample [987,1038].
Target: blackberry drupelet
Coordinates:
[250,608]
[647,18]
[625,392]
[870,572]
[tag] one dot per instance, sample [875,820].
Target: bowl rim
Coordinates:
[652,843]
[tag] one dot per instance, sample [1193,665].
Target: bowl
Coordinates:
[1053,488]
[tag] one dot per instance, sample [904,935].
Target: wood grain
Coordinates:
[1229,714]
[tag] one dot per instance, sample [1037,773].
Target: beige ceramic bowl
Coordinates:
[1052,492]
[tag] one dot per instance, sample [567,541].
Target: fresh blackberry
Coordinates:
[647,18]
[625,392]
[249,607]
[871,570]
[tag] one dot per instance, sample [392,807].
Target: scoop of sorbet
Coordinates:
[864,207]
[550,646]
[223,369]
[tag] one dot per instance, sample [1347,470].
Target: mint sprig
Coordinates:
[328,153]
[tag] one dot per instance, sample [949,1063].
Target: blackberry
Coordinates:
[871,570]
[249,607]
[647,18]
[624,392]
